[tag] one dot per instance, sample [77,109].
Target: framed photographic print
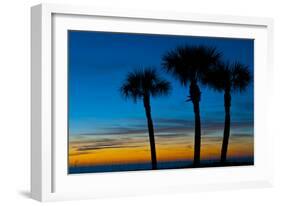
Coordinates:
[135,102]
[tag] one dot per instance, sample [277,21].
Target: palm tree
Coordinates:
[228,78]
[189,65]
[142,85]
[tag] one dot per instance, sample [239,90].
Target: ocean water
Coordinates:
[160,165]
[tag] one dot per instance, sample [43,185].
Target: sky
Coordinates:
[105,128]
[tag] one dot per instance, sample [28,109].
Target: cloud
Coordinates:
[93,147]
[167,128]
[117,131]
[106,143]
[170,135]
[167,132]
[241,135]
[79,153]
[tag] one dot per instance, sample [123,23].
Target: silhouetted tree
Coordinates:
[189,65]
[228,78]
[142,85]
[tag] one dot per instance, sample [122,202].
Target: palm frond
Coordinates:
[132,87]
[189,63]
[161,88]
[241,76]
[143,82]
[226,76]
[219,77]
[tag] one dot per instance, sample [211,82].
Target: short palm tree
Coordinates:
[189,65]
[228,78]
[142,85]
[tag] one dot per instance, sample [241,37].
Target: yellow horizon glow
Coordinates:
[176,149]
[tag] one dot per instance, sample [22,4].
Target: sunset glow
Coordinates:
[177,149]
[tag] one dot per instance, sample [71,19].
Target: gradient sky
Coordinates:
[105,128]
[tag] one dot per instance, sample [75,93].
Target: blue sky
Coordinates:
[99,61]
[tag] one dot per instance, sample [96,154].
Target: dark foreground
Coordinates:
[160,165]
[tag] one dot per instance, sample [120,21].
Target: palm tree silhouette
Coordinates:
[189,65]
[228,78]
[142,85]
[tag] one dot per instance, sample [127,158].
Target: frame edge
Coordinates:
[36,118]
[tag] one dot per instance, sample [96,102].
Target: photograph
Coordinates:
[141,101]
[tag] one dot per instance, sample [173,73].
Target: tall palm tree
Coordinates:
[142,85]
[189,65]
[228,78]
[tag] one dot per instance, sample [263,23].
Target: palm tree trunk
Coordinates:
[146,102]
[227,104]
[195,96]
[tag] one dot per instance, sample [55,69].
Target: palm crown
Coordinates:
[145,82]
[226,76]
[190,63]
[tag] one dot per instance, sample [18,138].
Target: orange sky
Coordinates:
[137,150]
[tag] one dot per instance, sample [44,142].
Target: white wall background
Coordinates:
[15,101]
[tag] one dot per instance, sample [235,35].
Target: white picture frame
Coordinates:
[49,179]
